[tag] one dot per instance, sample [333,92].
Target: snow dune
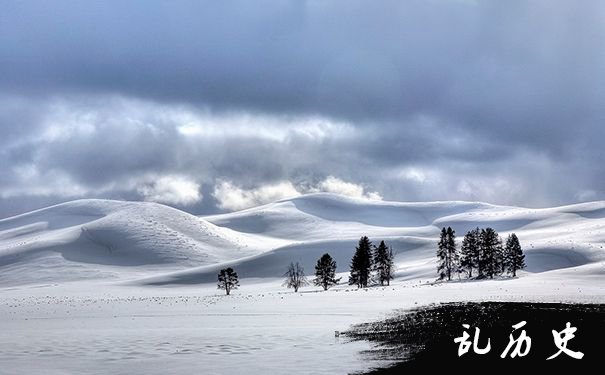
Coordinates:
[96,286]
[102,238]
[151,244]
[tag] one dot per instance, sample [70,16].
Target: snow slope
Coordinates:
[553,238]
[111,317]
[102,238]
[159,245]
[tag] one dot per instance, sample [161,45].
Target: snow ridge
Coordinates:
[153,244]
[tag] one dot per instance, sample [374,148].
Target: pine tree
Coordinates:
[469,258]
[490,261]
[383,263]
[513,255]
[501,258]
[361,264]
[447,254]
[295,277]
[228,280]
[442,255]
[325,272]
[453,260]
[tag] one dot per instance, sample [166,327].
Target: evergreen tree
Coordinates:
[513,255]
[295,277]
[325,272]
[361,264]
[228,280]
[490,260]
[442,255]
[448,260]
[501,258]
[383,263]
[469,258]
[453,260]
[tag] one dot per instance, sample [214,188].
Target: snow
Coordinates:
[97,286]
[101,238]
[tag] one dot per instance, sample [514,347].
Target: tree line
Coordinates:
[370,264]
[481,252]
[481,255]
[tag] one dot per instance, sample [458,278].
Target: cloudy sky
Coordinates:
[214,106]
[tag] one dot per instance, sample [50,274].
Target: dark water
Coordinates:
[423,339]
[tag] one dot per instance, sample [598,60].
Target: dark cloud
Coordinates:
[489,100]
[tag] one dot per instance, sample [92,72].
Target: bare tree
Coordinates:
[295,277]
[227,280]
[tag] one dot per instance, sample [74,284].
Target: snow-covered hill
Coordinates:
[160,245]
[103,238]
[554,238]
[118,318]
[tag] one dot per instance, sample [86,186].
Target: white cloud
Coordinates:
[232,197]
[335,185]
[172,190]
[373,195]
[203,125]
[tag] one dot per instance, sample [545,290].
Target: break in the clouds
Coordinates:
[231,197]
[213,106]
